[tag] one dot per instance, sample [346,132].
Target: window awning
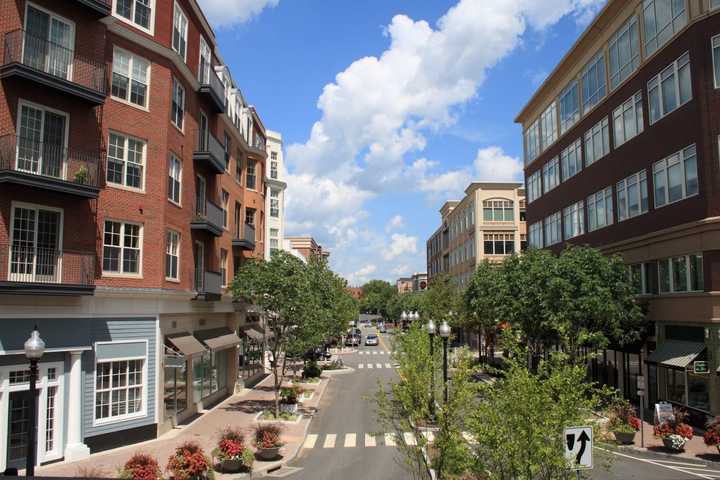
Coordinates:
[252,333]
[186,343]
[675,353]
[218,338]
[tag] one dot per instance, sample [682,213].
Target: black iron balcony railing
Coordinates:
[53,65]
[213,88]
[50,166]
[210,151]
[31,269]
[103,7]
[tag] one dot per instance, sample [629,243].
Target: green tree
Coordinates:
[376,297]
[408,302]
[442,297]
[482,302]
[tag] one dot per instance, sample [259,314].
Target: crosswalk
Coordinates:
[373,352]
[363,366]
[356,440]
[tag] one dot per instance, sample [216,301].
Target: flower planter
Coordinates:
[675,443]
[289,407]
[624,438]
[268,454]
[231,466]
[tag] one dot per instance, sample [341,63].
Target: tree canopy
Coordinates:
[376,297]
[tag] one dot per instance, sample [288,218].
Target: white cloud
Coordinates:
[400,244]
[395,223]
[491,164]
[361,276]
[222,13]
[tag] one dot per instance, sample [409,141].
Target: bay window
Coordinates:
[663,19]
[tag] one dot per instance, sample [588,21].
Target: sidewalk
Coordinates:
[695,449]
[237,410]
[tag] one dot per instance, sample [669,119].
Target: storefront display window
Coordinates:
[250,358]
[699,392]
[175,394]
[209,374]
[675,381]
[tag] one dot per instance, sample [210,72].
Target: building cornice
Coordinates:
[276,183]
[709,224]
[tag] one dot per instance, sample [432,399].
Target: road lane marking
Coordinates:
[378,365]
[350,440]
[370,365]
[369,440]
[409,439]
[389,440]
[362,365]
[652,462]
[429,435]
[387,365]
[329,441]
[375,353]
[310,441]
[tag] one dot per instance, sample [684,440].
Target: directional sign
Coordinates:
[700,367]
[578,442]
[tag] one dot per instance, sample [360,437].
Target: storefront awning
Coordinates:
[218,338]
[186,343]
[254,334]
[675,353]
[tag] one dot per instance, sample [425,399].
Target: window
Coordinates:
[597,142]
[180,32]
[130,78]
[643,278]
[49,42]
[548,126]
[172,255]
[174,179]
[498,211]
[714,4]
[118,389]
[532,142]
[178,103]
[663,19]
[226,149]
[675,177]
[716,58]
[534,187]
[41,142]
[571,160]
[569,107]
[250,175]
[274,169]
[670,89]
[274,203]
[238,213]
[681,274]
[574,220]
[628,120]
[205,62]
[225,208]
[624,52]
[122,248]
[223,266]
[250,216]
[137,12]
[126,161]
[35,244]
[209,373]
[551,175]
[632,196]
[499,243]
[600,209]
[593,82]
[551,228]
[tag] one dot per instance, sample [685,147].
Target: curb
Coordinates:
[342,371]
[675,456]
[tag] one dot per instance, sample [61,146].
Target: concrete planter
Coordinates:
[624,438]
[289,407]
[268,454]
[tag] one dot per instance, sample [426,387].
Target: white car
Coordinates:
[371,340]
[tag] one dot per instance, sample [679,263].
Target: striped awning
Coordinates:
[676,353]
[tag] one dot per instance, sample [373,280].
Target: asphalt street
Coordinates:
[632,465]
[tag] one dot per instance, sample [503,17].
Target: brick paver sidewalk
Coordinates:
[694,449]
[238,410]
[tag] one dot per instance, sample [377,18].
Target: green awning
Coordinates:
[675,353]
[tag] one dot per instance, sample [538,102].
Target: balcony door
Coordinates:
[36,245]
[48,43]
[199,267]
[203,133]
[42,136]
[201,196]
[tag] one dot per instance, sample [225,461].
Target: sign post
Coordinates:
[641,394]
[578,443]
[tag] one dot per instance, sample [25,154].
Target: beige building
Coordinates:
[488,223]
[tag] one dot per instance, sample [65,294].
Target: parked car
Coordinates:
[381,328]
[371,339]
[352,341]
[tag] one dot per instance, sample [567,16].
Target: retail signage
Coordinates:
[578,443]
[664,411]
[700,367]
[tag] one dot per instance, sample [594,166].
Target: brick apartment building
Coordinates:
[306,246]
[621,153]
[418,282]
[132,186]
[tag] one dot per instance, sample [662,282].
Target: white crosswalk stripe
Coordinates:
[362,365]
[389,439]
[329,441]
[370,365]
[310,441]
[387,365]
[350,440]
[369,440]
[375,353]
[378,365]
[409,438]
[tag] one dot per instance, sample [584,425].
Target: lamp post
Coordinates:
[431,333]
[34,349]
[444,332]
[403,319]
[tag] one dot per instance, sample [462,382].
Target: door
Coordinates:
[203,133]
[18,425]
[35,248]
[199,267]
[48,43]
[41,141]
[200,191]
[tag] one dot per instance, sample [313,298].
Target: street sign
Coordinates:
[641,383]
[700,367]
[578,443]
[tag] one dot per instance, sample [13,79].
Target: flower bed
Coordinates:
[269,416]
[141,466]
[189,462]
[268,441]
[674,433]
[232,452]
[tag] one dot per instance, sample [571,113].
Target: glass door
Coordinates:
[48,43]
[17,428]
[200,198]
[35,255]
[41,142]
[199,266]
[203,133]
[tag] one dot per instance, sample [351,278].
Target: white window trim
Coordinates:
[177,82]
[150,30]
[609,212]
[22,102]
[179,257]
[633,20]
[200,56]
[578,113]
[684,182]
[676,83]
[716,81]
[52,14]
[627,198]
[177,7]
[146,107]
[598,58]
[126,417]
[121,186]
[141,233]
[180,183]
[633,101]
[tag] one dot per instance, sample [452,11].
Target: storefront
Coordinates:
[180,348]
[251,353]
[210,368]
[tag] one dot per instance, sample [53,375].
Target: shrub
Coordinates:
[677,426]
[189,462]
[712,434]
[141,466]
[231,445]
[312,370]
[290,395]
[622,417]
[334,365]
[268,436]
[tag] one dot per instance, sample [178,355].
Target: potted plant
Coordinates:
[289,398]
[311,370]
[82,175]
[623,421]
[712,434]
[232,451]
[141,466]
[267,441]
[189,462]
[675,433]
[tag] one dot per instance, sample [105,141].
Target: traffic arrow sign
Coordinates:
[579,447]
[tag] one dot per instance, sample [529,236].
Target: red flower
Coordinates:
[142,466]
[684,430]
[231,448]
[634,422]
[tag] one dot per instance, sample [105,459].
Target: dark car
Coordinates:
[352,341]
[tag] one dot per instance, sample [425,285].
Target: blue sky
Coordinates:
[391,109]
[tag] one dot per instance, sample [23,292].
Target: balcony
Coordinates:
[257,145]
[208,285]
[48,64]
[208,218]
[48,166]
[210,152]
[247,241]
[100,7]
[212,88]
[31,270]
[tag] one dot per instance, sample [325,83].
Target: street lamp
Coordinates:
[403,318]
[34,349]
[445,334]
[431,333]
